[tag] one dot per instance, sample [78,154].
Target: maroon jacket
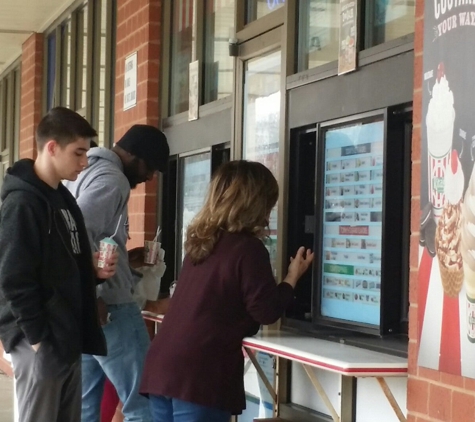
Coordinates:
[196,355]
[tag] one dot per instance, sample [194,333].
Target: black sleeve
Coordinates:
[20,265]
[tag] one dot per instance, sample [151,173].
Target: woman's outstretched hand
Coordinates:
[298,265]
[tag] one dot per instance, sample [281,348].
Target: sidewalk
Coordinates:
[6,398]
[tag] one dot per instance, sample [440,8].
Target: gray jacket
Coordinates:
[102,192]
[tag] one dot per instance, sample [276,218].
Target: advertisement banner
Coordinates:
[348,36]
[446,302]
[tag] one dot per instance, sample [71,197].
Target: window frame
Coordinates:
[10,104]
[394,333]
[89,110]
[172,191]
[365,56]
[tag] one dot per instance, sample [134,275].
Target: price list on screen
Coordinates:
[352,223]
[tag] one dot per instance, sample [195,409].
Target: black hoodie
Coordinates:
[47,280]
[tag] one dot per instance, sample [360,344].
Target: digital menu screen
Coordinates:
[352,222]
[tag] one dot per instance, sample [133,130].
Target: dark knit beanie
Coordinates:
[148,143]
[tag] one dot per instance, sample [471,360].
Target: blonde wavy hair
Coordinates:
[240,198]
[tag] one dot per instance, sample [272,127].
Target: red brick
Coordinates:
[414,251]
[412,358]
[415,214]
[419,36]
[418,73]
[417,395]
[416,179]
[416,143]
[440,402]
[31,98]
[413,284]
[428,374]
[139,30]
[413,327]
[450,379]
[469,384]
[419,9]
[417,106]
[463,407]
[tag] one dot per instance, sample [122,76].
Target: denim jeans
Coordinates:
[127,343]
[168,409]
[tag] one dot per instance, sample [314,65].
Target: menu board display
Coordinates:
[352,222]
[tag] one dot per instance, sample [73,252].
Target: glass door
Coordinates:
[259,124]
[258,136]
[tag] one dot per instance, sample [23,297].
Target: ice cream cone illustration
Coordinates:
[448,232]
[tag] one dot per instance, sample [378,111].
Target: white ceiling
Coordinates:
[19,19]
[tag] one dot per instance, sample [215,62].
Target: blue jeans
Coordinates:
[168,409]
[127,343]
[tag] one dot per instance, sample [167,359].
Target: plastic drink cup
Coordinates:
[107,247]
[151,251]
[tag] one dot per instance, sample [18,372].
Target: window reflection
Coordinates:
[195,178]
[318,32]
[219,21]
[387,20]
[181,54]
[256,9]
[261,123]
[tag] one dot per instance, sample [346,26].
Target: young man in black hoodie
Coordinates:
[48,314]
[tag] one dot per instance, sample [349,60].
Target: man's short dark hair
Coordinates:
[63,126]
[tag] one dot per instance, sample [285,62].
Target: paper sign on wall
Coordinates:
[130,81]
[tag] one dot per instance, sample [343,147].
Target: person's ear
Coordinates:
[51,147]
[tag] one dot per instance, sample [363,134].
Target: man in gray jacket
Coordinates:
[102,192]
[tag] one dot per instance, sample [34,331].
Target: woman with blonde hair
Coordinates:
[225,290]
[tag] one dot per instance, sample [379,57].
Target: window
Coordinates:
[319,27]
[181,54]
[355,214]
[80,61]
[386,20]
[219,21]
[202,36]
[261,123]
[9,118]
[318,33]
[256,9]
[184,189]
[195,175]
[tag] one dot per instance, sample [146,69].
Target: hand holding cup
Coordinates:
[106,259]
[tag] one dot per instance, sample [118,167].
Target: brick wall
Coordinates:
[139,29]
[432,396]
[31,93]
